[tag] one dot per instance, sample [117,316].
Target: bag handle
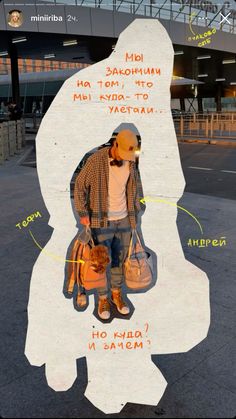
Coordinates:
[86,231]
[130,246]
[134,231]
[137,235]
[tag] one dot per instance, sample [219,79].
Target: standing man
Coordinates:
[15,112]
[107,197]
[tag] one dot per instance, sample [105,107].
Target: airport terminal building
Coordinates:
[44,42]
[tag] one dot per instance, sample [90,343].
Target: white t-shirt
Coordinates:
[117,204]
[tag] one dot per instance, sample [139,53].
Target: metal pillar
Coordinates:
[218,98]
[200,107]
[182,104]
[12,50]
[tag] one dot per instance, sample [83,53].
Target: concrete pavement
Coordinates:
[209,170]
[201,382]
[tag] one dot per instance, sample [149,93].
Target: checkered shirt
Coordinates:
[91,190]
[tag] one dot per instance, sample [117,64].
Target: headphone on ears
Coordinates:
[117,163]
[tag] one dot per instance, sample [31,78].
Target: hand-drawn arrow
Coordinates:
[52,255]
[190,22]
[163,201]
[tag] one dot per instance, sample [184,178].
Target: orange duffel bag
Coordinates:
[87,267]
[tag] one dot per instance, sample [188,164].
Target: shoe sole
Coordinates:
[102,318]
[81,305]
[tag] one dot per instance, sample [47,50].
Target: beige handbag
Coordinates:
[137,270]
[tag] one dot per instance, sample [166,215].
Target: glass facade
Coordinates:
[35,96]
[29,66]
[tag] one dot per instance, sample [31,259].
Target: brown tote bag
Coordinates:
[137,271]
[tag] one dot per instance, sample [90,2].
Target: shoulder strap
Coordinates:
[131,244]
[134,232]
[79,266]
[137,235]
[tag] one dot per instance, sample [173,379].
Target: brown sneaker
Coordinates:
[117,299]
[104,308]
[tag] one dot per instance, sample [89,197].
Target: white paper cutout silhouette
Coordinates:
[177,308]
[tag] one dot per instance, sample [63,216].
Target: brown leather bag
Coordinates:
[137,270]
